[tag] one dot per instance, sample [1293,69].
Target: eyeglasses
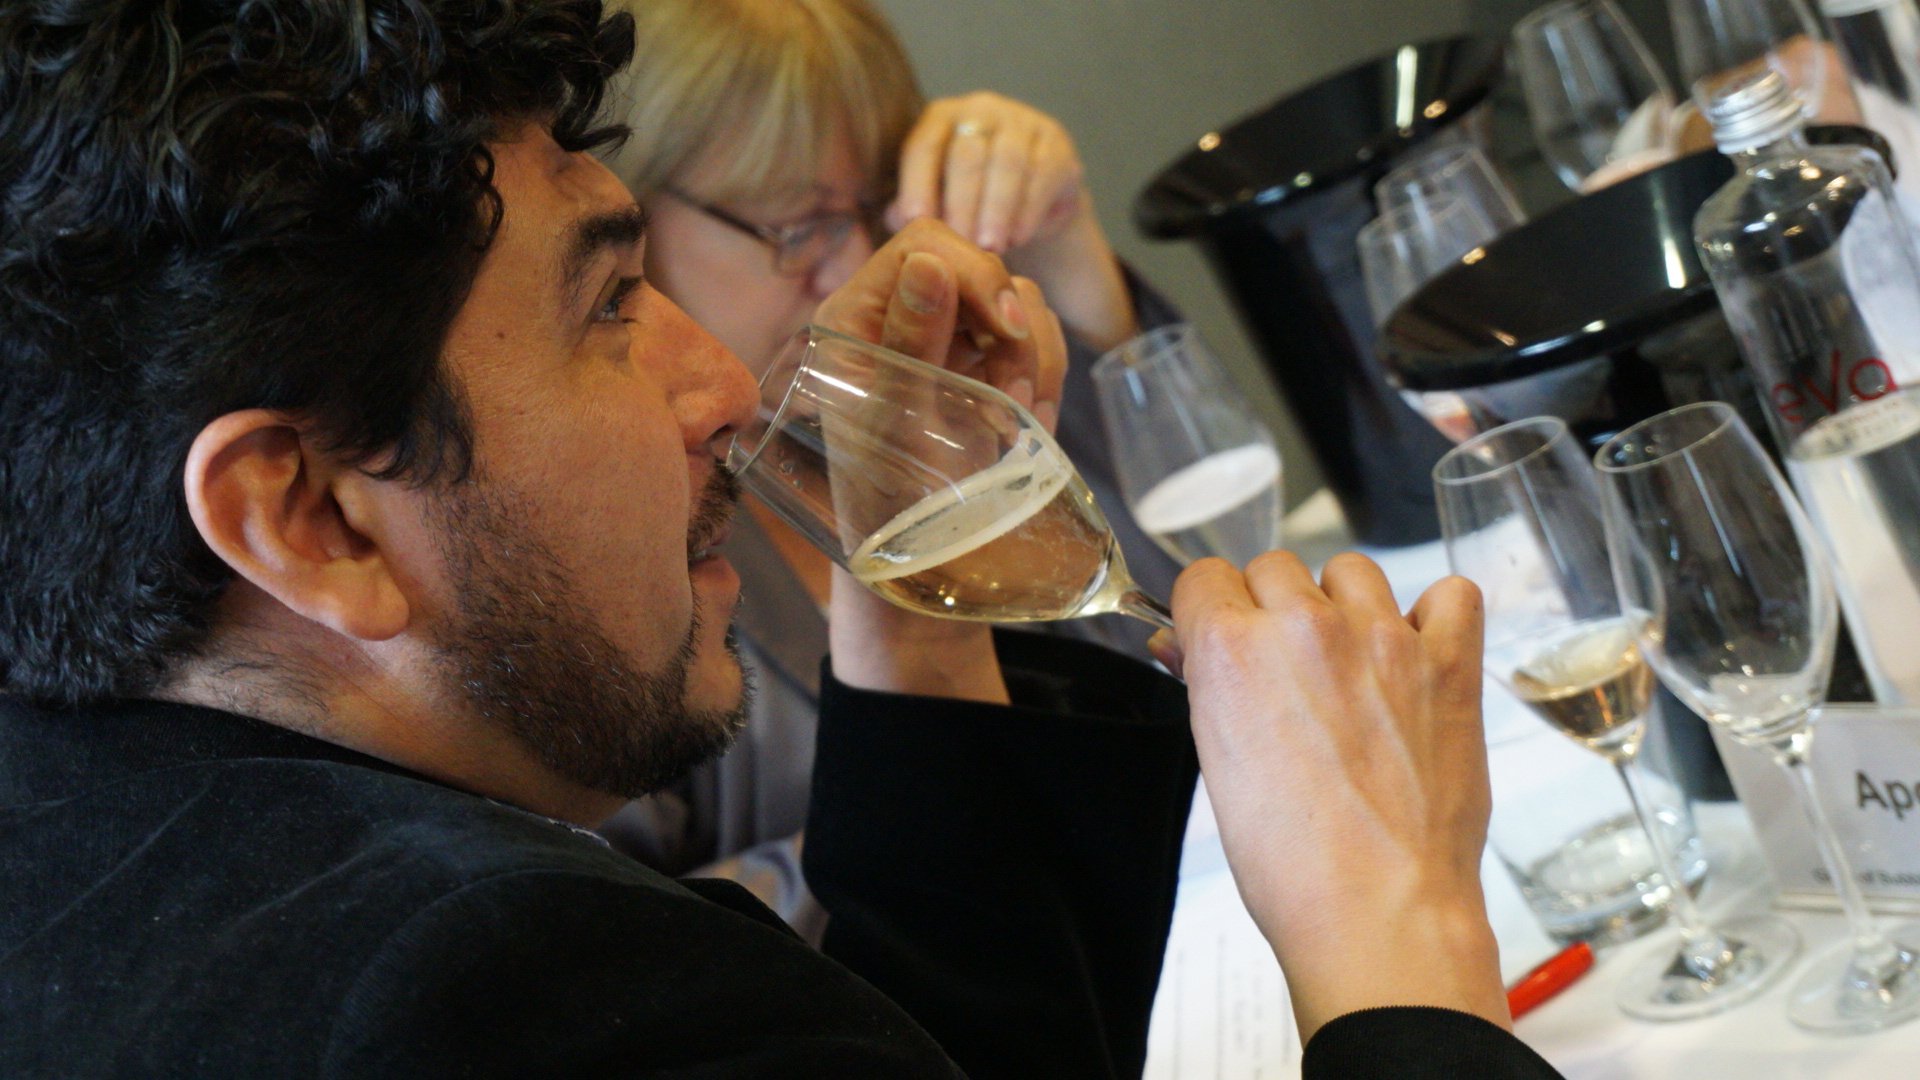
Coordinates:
[800,248]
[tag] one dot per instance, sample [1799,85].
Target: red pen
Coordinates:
[1558,973]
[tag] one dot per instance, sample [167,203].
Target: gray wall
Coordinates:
[1137,80]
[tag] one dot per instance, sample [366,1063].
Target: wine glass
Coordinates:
[1726,43]
[1415,239]
[1735,610]
[1411,244]
[1601,108]
[1520,514]
[1198,470]
[1457,169]
[937,492]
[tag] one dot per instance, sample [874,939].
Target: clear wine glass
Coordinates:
[1520,514]
[939,493]
[1410,244]
[1200,473]
[1735,610]
[1723,43]
[1458,169]
[1601,108]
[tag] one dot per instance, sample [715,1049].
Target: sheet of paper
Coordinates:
[1222,1010]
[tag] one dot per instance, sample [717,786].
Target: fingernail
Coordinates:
[916,298]
[920,282]
[1013,315]
[1021,390]
[896,217]
[990,240]
[1048,413]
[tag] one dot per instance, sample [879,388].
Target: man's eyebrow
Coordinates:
[590,236]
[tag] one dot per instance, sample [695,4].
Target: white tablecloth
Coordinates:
[1222,1008]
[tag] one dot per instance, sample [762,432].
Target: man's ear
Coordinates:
[266,500]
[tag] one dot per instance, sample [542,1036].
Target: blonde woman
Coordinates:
[775,143]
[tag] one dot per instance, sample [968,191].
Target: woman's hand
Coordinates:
[1000,172]
[1008,177]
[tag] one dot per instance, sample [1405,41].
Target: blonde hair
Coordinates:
[770,78]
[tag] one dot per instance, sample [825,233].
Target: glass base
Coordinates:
[1748,956]
[1604,886]
[1840,995]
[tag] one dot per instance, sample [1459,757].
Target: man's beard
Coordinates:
[527,655]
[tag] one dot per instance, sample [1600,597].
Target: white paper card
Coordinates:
[1222,1012]
[1866,767]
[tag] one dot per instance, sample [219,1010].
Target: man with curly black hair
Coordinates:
[358,501]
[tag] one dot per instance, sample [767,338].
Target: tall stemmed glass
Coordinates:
[1198,469]
[1735,609]
[1725,43]
[1520,513]
[939,493]
[1600,106]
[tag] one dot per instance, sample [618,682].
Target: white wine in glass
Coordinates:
[939,493]
[1199,471]
[1590,681]
[1227,504]
[1017,541]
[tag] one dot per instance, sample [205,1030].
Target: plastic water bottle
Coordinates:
[1880,42]
[1817,270]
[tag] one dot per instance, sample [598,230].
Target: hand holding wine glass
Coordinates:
[1342,744]
[937,492]
[1734,607]
[1520,513]
[930,294]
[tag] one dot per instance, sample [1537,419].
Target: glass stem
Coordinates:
[1868,943]
[1145,608]
[1686,913]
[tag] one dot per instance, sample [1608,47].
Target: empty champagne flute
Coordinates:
[1458,170]
[939,493]
[1726,43]
[1411,242]
[1735,610]
[1198,470]
[1601,108]
[1520,514]
[1409,245]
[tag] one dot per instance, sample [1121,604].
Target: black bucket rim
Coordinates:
[1165,209]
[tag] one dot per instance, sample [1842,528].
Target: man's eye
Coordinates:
[609,310]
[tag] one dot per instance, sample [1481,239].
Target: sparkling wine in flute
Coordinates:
[1590,681]
[1021,541]
[939,493]
[1225,504]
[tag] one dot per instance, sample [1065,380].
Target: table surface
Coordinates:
[1222,1008]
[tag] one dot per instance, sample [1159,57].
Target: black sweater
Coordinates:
[185,892]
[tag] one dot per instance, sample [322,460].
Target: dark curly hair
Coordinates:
[213,205]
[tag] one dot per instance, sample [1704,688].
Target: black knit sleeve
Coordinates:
[1416,1043]
[1007,874]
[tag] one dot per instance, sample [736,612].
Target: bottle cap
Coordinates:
[1753,111]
